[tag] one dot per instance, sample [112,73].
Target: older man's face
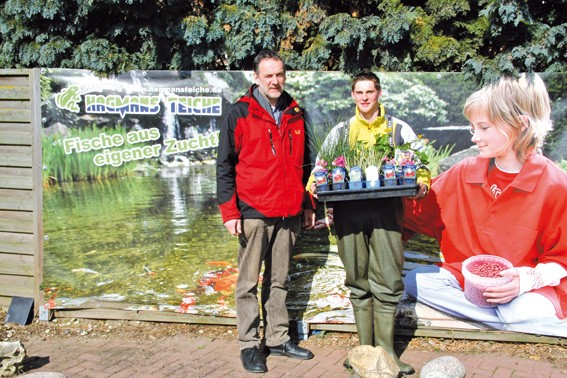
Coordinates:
[270,79]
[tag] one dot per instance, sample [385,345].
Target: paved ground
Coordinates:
[201,356]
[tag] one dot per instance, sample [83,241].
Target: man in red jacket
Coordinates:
[262,167]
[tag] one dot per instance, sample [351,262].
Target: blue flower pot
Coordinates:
[408,174]
[391,182]
[389,174]
[408,181]
[355,185]
[373,184]
[339,185]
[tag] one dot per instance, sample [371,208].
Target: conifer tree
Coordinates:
[483,38]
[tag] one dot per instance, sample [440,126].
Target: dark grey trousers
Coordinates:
[267,242]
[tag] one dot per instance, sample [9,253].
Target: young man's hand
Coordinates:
[308,219]
[422,192]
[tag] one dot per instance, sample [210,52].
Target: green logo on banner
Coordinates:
[69,98]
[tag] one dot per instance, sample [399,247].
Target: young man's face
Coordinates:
[270,79]
[366,97]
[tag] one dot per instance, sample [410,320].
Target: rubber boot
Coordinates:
[384,325]
[363,318]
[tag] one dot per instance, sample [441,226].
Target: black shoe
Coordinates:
[291,349]
[346,364]
[253,360]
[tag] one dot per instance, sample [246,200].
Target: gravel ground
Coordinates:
[87,328]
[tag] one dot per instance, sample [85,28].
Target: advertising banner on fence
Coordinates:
[130,213]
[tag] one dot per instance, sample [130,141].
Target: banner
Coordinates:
[130,214]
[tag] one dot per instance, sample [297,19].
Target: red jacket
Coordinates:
[526,224]
[260,167]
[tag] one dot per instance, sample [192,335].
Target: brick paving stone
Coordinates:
[90,357]
[200,356]
[336,356]
[316,372]
[91,366]
[160,357]
[301,368]
[543,368]
[117,367]
[276,372]
[520,374]
[503,372]
[77,371]
[162,363]
[121,374]
[479,375]
[496,361]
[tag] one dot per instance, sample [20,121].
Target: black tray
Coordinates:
[368,193]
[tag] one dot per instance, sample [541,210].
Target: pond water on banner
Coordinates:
[156,241]
[144,240]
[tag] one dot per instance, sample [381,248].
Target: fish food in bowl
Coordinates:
[482,272]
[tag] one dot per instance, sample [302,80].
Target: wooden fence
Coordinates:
[21,233]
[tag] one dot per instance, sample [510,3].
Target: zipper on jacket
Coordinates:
[290,142]
[272,142]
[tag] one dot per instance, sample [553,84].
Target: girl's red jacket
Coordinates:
[526,224]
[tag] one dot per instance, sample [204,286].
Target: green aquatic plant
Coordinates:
[434,155]
[60,165]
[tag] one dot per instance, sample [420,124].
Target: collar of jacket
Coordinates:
[361,129]
[284,101]
[378,123]
[526,180]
